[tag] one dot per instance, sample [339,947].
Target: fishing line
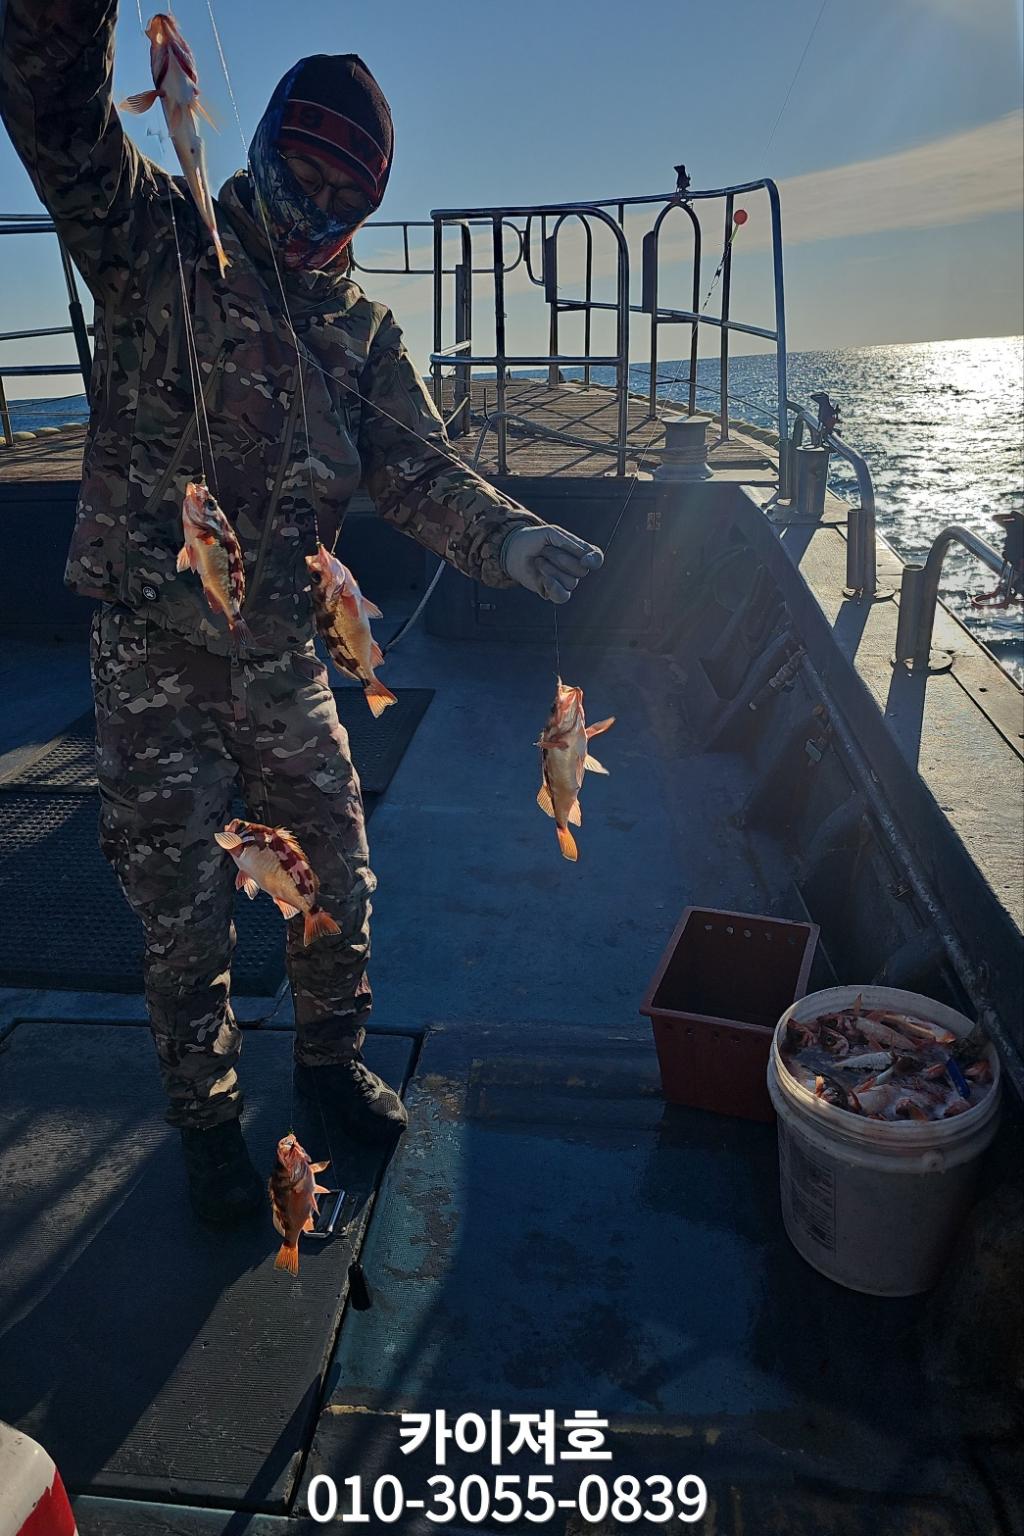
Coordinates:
[280,281]
[191,349]
[302,352]
[796,72]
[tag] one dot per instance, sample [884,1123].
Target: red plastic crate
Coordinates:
[719,991]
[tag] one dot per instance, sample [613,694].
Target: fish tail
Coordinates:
[222,260]
[378,697]
[567,843]
[288,1258]
[317,924]
[240,632]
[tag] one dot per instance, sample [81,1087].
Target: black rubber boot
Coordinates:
[223,1185]
[360,1101]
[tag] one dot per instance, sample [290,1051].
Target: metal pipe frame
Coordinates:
[861,567]
[407,269]
[667,317]
[501,359]
[547,278]
[919,591]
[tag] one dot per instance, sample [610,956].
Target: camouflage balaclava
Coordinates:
[330,107]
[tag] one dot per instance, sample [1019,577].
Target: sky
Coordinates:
[897,144]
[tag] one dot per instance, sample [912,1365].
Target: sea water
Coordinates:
[940,424]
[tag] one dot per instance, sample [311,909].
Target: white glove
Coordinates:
[548,561]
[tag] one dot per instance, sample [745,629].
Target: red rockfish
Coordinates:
[343,617]
[563,760]
[176,85]
[212,550]
[293,1192]
[270,859]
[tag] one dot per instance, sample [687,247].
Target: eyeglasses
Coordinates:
[344,201]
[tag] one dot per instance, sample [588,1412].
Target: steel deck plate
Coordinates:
[150,1355]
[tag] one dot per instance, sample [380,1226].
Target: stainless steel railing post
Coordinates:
[909,621]
[5,416]
[914,632]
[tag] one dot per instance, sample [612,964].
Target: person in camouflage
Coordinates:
[184,720]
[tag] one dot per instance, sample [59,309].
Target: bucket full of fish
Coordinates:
[886,1101]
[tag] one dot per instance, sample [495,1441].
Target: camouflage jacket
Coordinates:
[370,420]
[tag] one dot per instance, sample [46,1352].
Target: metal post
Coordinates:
[435,367]
[723,379]
[460,422]
[5,416]
[695,324]
[622,349]
[780,325]
[811,469]
[908,623]
[589,297]
[549,271]
[77,318]
[499,337]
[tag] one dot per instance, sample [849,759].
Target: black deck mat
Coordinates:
[66,924]
[148,1354]
[377,746]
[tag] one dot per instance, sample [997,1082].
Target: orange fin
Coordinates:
[309,1225]
[228,840]
[198,107]
[544,800]
[222,260]
[247,884]
[566,843]
[185,560]
[319,1168]
[318,922]
[321,1189]
[371,610]
[138,103]
[174,119]
[376,655]
[602,725]
[286,910]
[288,1258]
[593,765]
[378,697]
[575,817]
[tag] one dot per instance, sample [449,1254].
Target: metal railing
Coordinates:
[611,214]
[39,224]
[919,592]
[861,552]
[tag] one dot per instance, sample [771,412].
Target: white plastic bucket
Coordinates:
[875,1204]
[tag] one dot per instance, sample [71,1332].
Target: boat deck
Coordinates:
[549,1234]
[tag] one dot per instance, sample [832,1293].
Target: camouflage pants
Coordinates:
[181,732]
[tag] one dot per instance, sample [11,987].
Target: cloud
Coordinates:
[952,180]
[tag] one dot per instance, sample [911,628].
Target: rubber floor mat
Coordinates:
[377,746]
[149,1354]
[66,924]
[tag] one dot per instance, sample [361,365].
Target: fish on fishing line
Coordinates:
[293,1203]
[564,760]
[271,859]
[212,550]
[343,617]
[176,87]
